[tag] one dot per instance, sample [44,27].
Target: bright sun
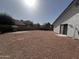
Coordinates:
[30,3]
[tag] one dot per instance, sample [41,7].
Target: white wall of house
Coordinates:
[57,29]
[70,17]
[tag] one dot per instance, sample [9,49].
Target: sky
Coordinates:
[43,11]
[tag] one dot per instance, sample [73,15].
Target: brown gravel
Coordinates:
[37,45]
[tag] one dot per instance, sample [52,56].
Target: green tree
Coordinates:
[37,26]
[28,23]
[46,26]
[6,20]
[6,23]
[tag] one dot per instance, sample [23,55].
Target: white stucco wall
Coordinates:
[74,21]
[57,29]
[70,17]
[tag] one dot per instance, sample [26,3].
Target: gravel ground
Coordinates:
[37,45]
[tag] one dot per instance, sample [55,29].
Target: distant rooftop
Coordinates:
[17,22]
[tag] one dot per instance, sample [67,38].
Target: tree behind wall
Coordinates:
[6,20]
[46,26]
[29,24]
[6,23]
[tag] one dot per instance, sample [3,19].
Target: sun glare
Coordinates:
[30,3]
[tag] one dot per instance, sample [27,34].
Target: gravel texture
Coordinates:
[37,45]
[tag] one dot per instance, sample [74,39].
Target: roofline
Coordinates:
[65,10]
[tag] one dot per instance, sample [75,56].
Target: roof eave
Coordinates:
[64,11]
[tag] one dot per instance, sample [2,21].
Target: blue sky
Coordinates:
[44,11]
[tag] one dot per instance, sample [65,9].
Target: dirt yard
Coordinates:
[37,45]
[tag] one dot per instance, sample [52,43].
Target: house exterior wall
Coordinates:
[70,17]
[57,29]
[73,22]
